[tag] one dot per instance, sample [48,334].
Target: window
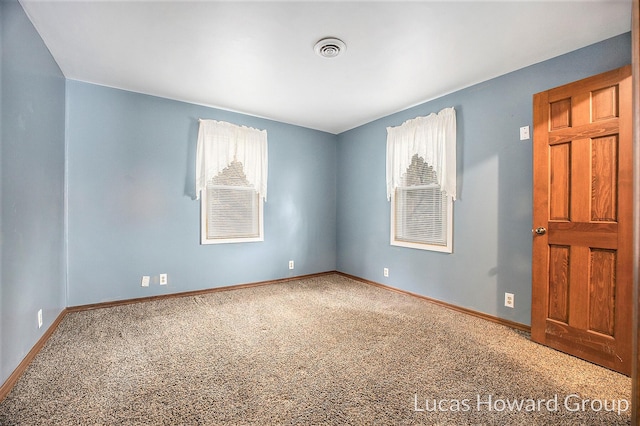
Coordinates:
[231,178]
[421,212]
[421,181]
[231,208]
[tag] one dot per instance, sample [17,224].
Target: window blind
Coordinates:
[231,208]
[421,215]
[232,212]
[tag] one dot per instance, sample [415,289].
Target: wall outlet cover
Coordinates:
[145,281]
[509,300]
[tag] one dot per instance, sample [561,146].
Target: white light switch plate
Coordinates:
[524,133]
[145,281]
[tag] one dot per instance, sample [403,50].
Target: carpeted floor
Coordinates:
[324,350]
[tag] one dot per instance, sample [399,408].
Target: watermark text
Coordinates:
[570,403]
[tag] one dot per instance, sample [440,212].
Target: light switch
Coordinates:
[524,133]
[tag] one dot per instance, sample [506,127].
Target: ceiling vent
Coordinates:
[330,47]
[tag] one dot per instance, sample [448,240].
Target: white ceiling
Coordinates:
[257,57]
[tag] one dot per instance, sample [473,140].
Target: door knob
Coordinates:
[540,230]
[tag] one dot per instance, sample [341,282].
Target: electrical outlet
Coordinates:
[524,133]
[509,300]
[164,279]
[40,318]
[291,264]
[145,280]
[385,272]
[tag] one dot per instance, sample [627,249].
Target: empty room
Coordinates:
[301,212]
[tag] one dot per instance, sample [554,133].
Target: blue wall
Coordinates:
[492,216]
[131,211]
[32,267]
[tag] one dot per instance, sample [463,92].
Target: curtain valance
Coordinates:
[220,143]
[434,139]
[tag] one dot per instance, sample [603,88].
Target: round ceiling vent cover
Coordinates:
[330,47]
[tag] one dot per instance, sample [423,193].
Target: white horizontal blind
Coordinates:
[421,215]
[232,208]
[421,210]
[232,212]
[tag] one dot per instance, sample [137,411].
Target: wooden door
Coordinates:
[582,219]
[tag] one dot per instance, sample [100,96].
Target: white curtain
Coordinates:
[434,139]
[220,143]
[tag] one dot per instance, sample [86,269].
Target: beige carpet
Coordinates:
[325,350]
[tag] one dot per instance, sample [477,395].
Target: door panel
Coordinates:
[560,114]
[560,182]
[602,292]
[604,177]
[582,264]
[559,283]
